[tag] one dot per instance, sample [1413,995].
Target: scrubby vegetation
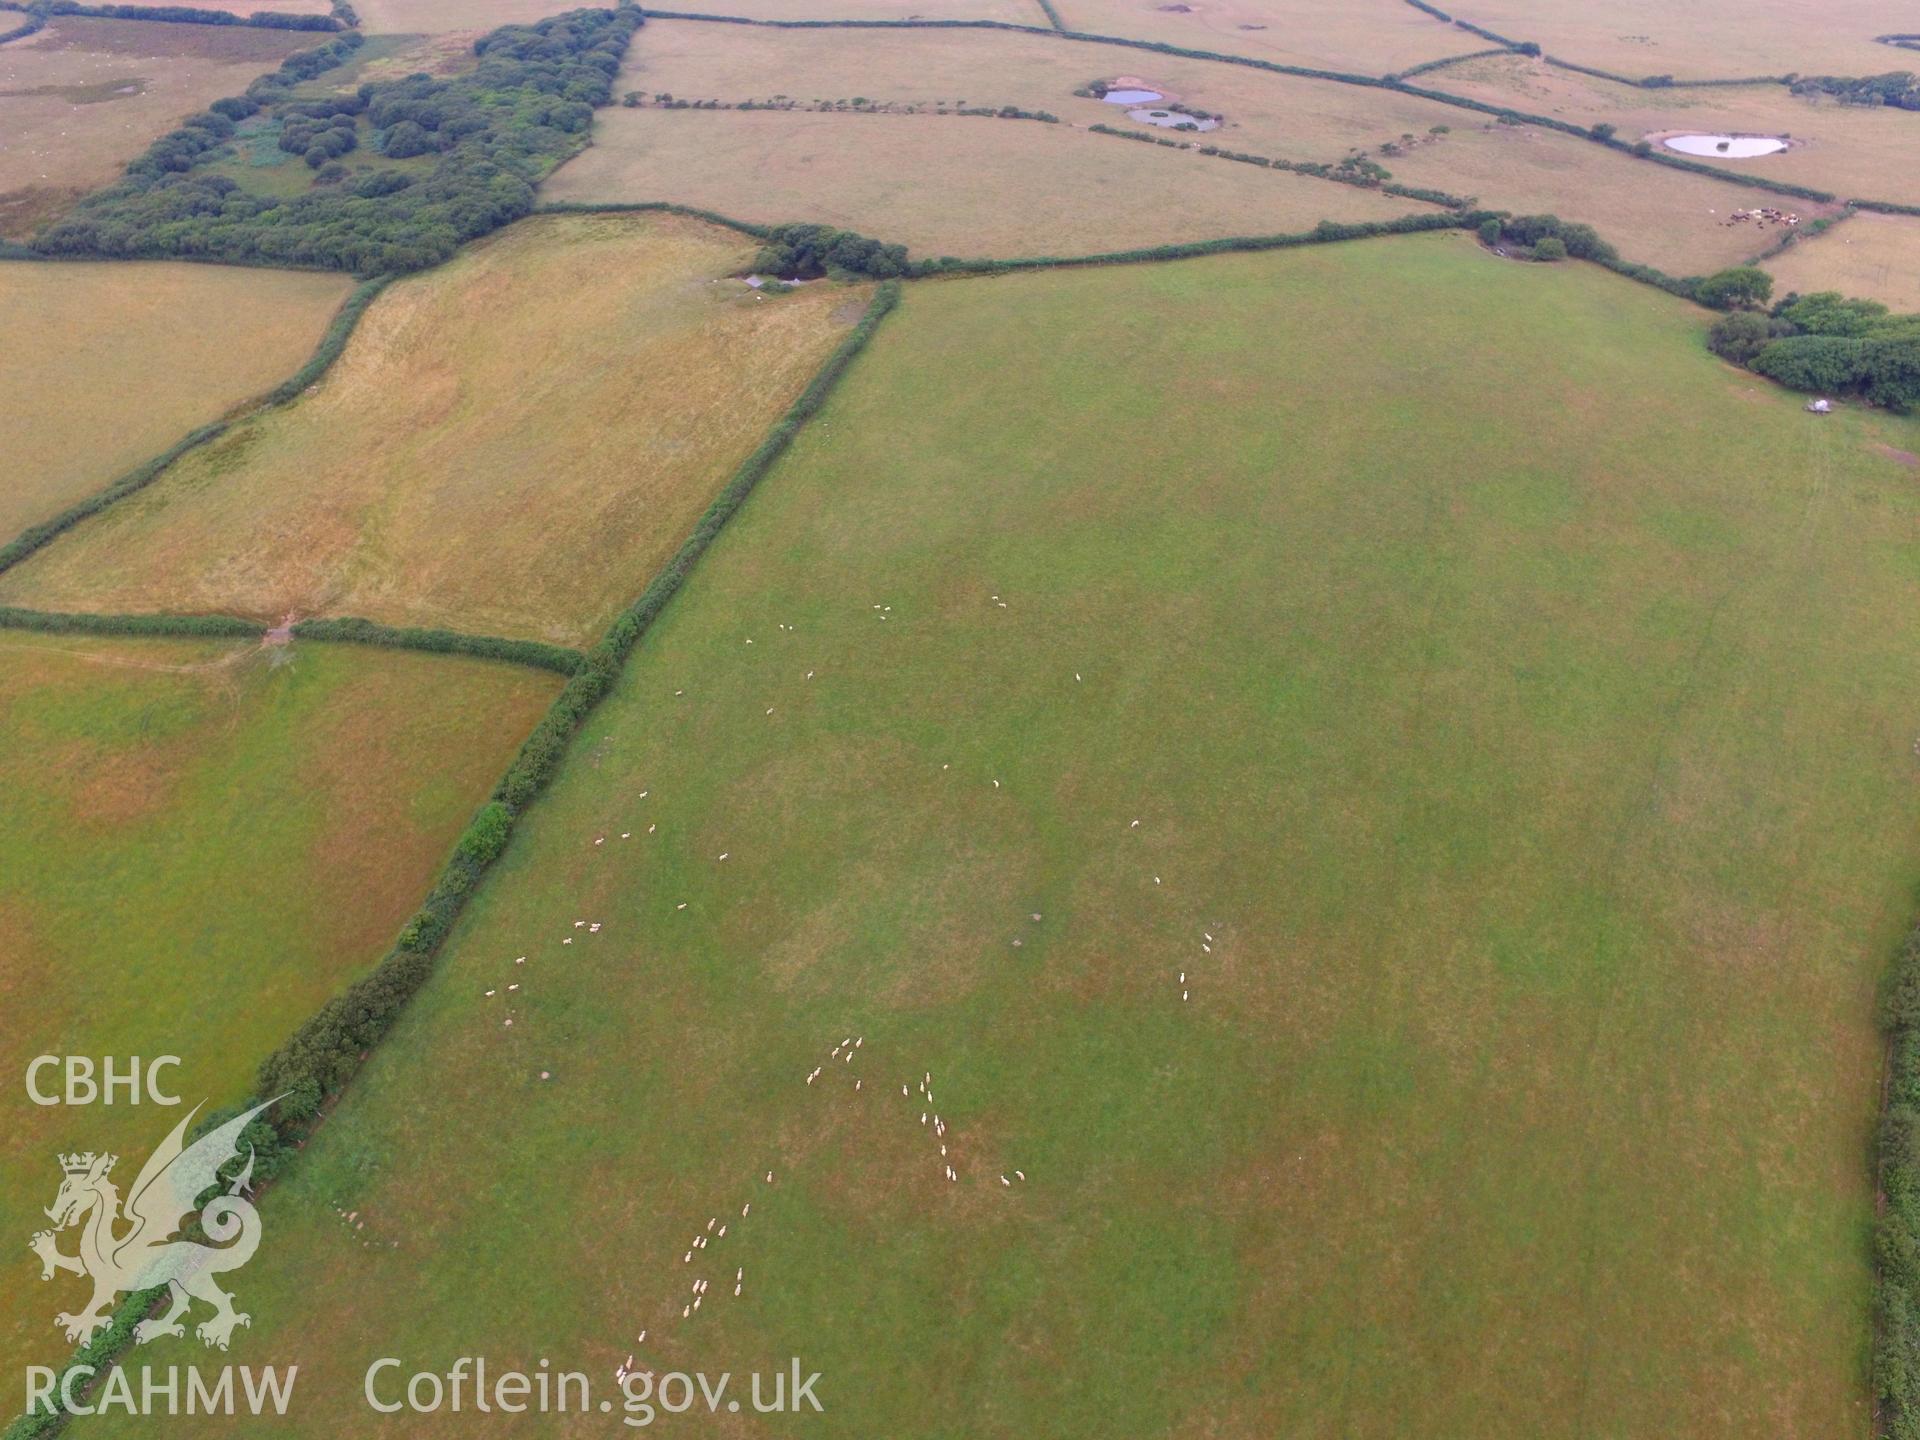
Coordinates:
[1829,344]
[495,132]
[807,252]
[1900,88]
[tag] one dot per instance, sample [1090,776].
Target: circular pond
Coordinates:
[1730,147]
[1132,97]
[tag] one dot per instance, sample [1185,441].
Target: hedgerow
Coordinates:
[1447,60]
[323,1054]
[225,627]
[1896,1238]
[354,631]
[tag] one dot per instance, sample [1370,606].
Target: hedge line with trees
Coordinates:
[494,133]
[1824,343]
[1638,150]
[353,631]
[143,475]
[1899,88]
[1896,1236]
[324,1053]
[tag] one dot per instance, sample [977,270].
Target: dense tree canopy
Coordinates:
[496,132]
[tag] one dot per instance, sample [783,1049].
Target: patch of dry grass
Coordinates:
[771,164]
[248,7]
[196,339]
[417,17]
[1874,256]
[1366,37]
[1705,39]
[1014,12]
[1267,113]
[1850,150]
[197,848]
[512,443]
[966,186]
[83,97]
[1652,214]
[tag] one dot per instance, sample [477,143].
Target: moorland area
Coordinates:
[1124,718]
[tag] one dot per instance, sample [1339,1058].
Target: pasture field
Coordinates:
[948,185]
[1012,12]
[1373,785]
[201,339]
[429,17]
[1363,37]
[1849,150]
[83,97]
[510,444]
[248,7]
[785,164]
[1873,256]
[1705,39]
[1656,215]
[1270,114]
[197,848]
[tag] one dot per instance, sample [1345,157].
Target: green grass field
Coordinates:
[198,847]
[1494,714]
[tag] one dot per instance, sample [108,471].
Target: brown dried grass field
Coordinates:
[1268,113]
[1850,150]
[428,17]
[83,97]
[952,185]
[1873,256]
[1013,12]
[771,163]
[512,443]
[1706,39]
[247,7]
[1652,214]
[199,338]
[1366,37]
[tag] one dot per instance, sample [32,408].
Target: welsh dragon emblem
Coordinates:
[137,1250]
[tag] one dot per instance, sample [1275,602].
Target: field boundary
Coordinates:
[332,343]
[320,1058]
[1896,1236]
[351,630]
[1534,51]
[344,630]
[1339,77]
[63,622]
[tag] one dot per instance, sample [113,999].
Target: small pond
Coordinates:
[1730,147]
[1132,97]
[1171,119]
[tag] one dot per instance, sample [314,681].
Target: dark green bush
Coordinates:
[1740,336]
[1736,288]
